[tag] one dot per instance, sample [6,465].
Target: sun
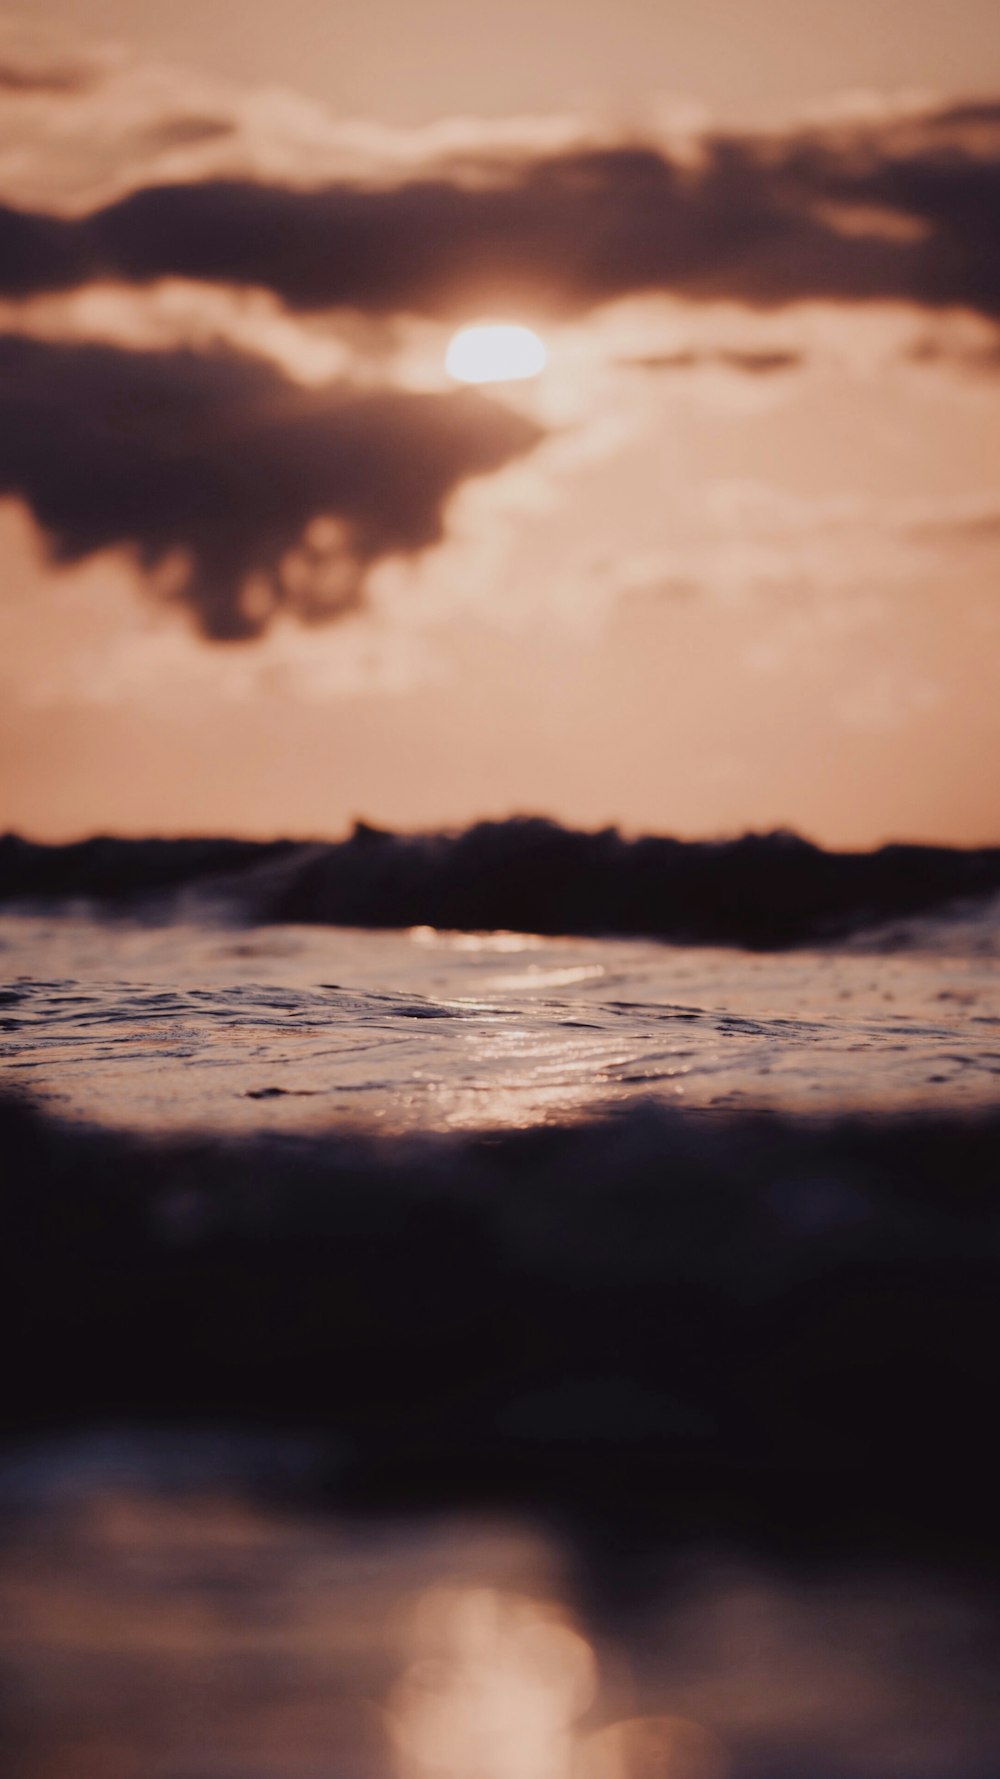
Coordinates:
[495,352]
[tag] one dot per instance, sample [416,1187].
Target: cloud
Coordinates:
[15,77]
[969,521]
[961,349]
[36,60]
[37,253]
[812,567]
[249,493]
[897,208]
[750,362]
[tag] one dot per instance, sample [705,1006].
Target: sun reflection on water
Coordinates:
[504,1687]
[496,1687]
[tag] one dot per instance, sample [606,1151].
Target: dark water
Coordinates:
[154,1618]
[491,1356]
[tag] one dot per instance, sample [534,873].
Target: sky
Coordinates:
[730,561]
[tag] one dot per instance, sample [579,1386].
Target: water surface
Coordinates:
[191,1023]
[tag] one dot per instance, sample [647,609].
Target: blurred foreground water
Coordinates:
[154,1619]
[484,1356]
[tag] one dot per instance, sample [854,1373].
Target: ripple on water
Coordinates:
[293,1027]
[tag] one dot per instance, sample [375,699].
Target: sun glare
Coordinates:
[495,352]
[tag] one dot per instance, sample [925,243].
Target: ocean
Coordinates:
[457,1349]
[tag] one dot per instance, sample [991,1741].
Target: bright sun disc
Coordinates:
[495,353]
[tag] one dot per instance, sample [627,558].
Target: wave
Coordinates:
[525,874]
[773,1326]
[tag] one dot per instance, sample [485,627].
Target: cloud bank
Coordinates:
[902,209]
[256,494]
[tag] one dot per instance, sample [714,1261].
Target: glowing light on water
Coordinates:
[652,1748]
[497,1690]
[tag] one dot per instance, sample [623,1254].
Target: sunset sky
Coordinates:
[729,561]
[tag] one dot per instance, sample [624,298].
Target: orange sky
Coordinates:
[413,61]
[746,576]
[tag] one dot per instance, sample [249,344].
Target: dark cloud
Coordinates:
[763,220]
[978,357]
[951,198]
[685,359]
[37,253]
[56,78]
[971,112]
[186,131]
[760,363]
[974,527]
[219,457]
[38,61]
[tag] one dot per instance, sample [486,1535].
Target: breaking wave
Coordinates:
[525,874]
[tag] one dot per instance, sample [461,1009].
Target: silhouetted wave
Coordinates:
[525,874]
[770,1327]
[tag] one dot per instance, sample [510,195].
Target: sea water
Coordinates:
[211,1025]
[493,1356]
